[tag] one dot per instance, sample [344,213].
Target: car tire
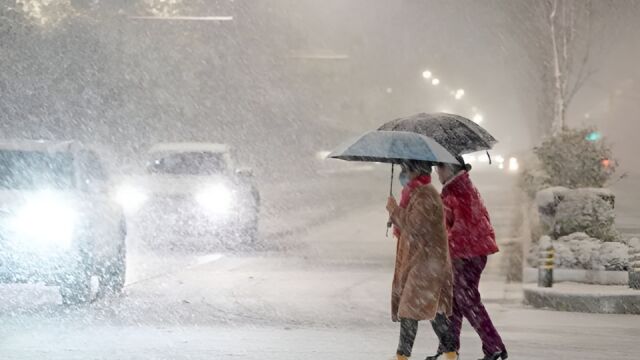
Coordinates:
[113,273]
[75,287]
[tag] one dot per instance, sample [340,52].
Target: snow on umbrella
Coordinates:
[456,133]
[393,147]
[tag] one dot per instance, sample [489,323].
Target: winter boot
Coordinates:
[401,357]
[496,356]
[447,356]
[434,357]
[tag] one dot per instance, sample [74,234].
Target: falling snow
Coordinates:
[165,191]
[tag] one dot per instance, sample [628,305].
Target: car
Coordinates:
[193,189]
[58,222]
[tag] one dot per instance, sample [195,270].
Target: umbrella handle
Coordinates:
[389,223]
[391,186]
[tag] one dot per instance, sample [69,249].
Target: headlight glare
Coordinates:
[130,198]
[217,199]
[45,220]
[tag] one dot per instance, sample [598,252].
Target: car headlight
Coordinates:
[513,164]
[45,220]
[130,198]
[217,199]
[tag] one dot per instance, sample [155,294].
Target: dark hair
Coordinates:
[456,168]
[460,167]
[421,167]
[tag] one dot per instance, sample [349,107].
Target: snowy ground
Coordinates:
[315,294]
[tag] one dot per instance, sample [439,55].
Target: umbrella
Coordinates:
[393,147]
[456,133]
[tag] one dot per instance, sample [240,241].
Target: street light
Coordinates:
[477,118]
[427,74]
[435,82]
[459,94]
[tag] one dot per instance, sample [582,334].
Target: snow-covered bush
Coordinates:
[583,247]
[576,158]
[565,258]
[612,256]
[585,211]
[580,251]
[547,201]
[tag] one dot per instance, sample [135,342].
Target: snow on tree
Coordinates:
[570,31]
[561,36]
[572,159]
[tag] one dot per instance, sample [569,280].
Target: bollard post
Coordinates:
[634,268]
[545,267]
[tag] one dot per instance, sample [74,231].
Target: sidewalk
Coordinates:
[589,298]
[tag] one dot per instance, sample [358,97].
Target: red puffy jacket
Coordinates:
[470,231]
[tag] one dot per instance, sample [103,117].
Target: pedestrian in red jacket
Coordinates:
[471,240]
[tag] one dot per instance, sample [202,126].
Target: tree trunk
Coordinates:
[559,103]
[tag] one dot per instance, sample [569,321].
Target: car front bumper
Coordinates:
[184,215]
[49,266]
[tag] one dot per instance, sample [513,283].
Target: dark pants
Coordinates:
[408,332]
[467,304]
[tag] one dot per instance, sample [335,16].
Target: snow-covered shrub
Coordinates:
[565,258]
[580,251]
[575,159]
[585,211]
[583,247]
[611,256]
[547,201]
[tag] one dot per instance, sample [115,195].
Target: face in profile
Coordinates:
[443,173]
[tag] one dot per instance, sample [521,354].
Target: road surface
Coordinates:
[317,288]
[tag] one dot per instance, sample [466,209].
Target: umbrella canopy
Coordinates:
[393,147]
[456,133]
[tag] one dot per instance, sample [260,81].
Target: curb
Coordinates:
[548,298]
[595,277]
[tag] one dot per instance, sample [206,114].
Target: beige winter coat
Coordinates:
[422,282]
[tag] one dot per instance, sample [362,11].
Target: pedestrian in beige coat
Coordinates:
[422,282]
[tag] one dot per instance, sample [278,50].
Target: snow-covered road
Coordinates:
[321,293]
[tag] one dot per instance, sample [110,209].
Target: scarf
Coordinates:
[406,194]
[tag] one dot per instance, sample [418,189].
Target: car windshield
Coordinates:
[188,163]
[27,170]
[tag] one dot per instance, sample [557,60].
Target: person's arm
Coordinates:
[457,222]
[414,218]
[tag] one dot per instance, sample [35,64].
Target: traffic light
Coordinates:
[594,136]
